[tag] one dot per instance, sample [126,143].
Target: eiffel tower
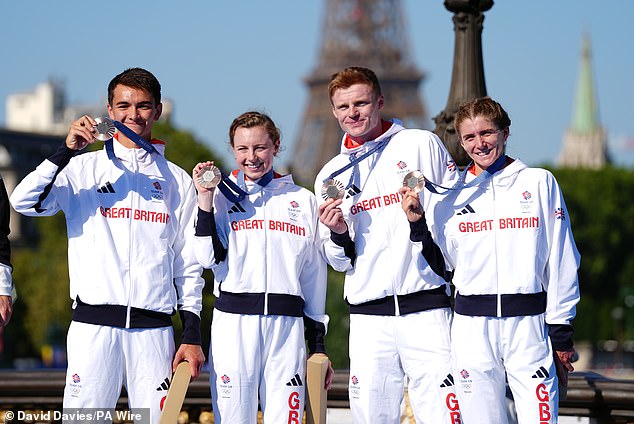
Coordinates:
[368,33]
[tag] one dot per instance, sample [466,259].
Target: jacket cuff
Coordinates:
[419,231]
[62,156]
[560,336]
[6,282]
[430,250]
[191,328]
[341,240]
[204,223]
[205,227]
[314,332]
[344,240]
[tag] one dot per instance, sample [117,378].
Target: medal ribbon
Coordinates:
[460,184]
[136,139]
[237,192]
[354,161]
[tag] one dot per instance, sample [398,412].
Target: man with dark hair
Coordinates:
[130,218]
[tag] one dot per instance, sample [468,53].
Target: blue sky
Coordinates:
[217,59]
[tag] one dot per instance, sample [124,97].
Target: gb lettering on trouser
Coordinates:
[452,405]
[541,392]
[293,412]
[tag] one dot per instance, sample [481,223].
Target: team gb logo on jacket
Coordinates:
[156,191]
[293,211]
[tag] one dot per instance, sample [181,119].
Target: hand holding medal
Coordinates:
[413,185]
[81,133]
[330,213]
[206,177]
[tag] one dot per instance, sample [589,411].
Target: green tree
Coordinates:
[41,279]
[182,148]
[602,218]
[339,325]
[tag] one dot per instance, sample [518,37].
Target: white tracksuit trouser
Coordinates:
[486,350]
[384,350]
[101,359]
[253,355]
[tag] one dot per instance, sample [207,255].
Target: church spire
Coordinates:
[586,118]
[585,141]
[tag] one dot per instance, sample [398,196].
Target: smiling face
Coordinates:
[254,151]
[482,140]
[136,108]
[358,111]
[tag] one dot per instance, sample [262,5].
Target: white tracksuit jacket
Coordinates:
[270,288]
[268,245]
[387,264]
[129,222]
[519,218]
[510,243]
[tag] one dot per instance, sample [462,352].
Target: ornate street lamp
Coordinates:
[467,78]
